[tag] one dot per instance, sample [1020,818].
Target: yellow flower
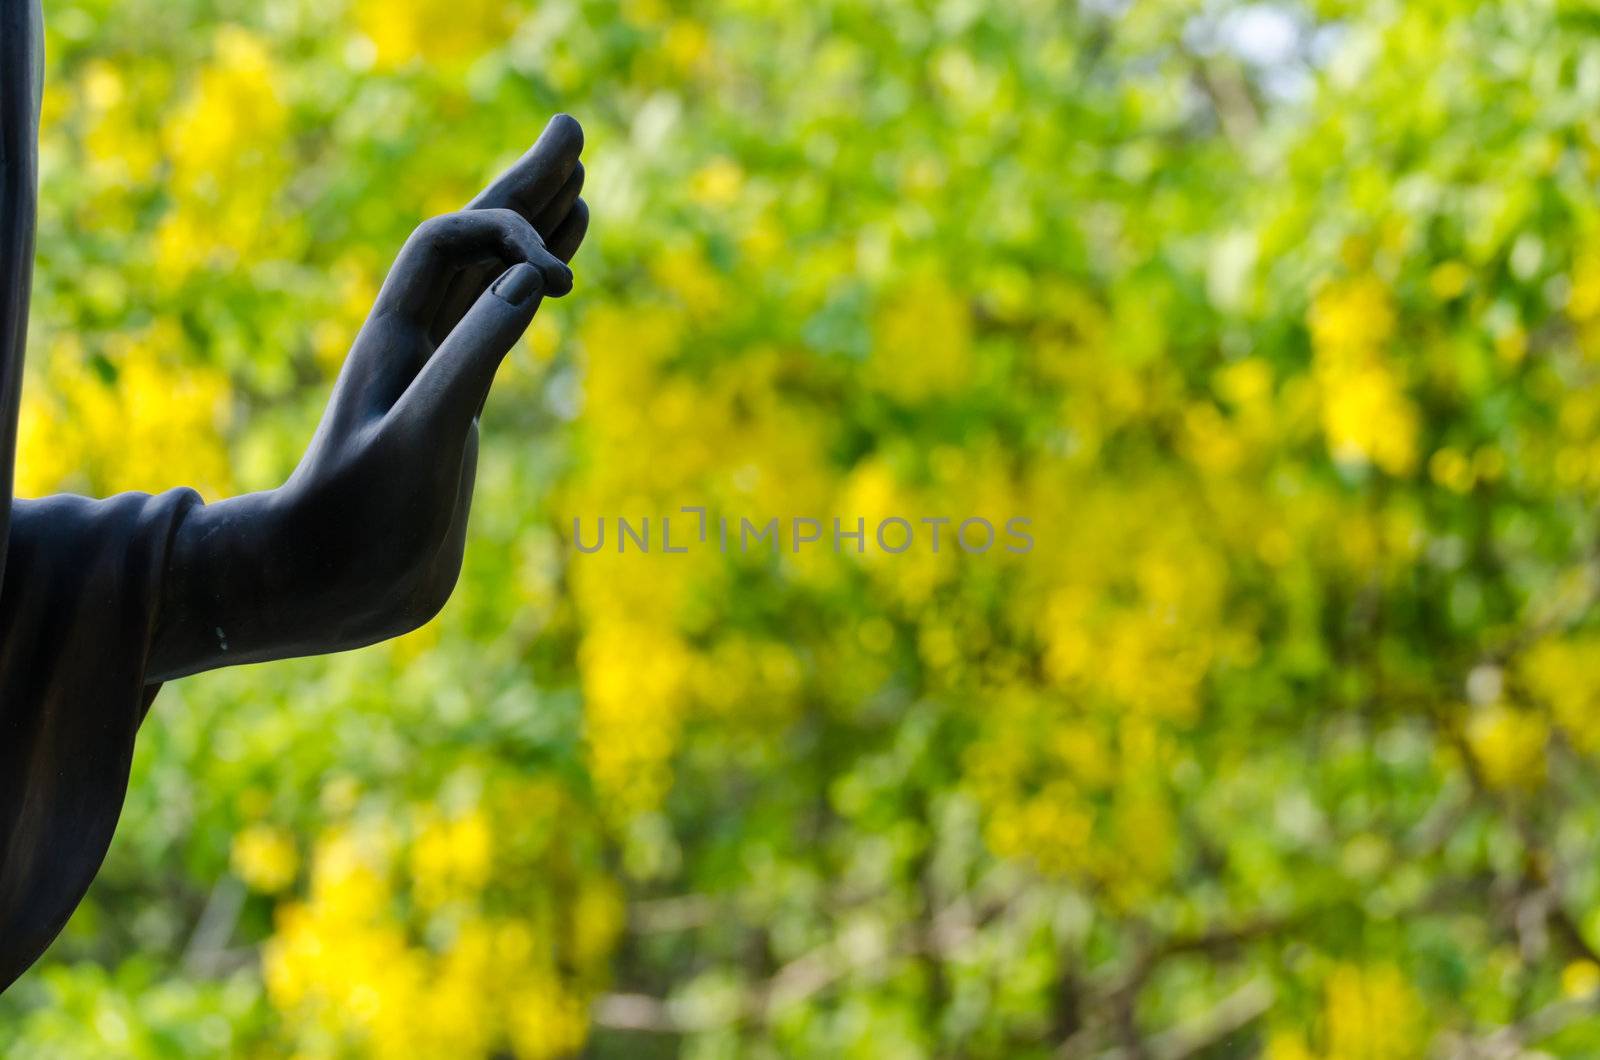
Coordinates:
[1448,280]
[1366,414]
[598,915]
[347,881]
[1450,468]
[1287,1045]
[545,1021]
[1351,315]
[121,151]
[635,678]
[225,145]
[451,858]
[265,858]
[1580,978]
[1583,303]
[686,45]
[717,183]
[1372,1013]
[152,426]
[1508,746]
[1561,674]
[922,341]
[45,455]
[438,31]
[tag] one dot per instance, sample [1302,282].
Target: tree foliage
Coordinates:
[1281,326]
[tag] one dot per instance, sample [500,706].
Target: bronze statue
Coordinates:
[102,600]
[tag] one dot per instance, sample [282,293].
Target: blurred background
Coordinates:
[1281,322]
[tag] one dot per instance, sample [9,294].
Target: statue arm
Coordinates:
[365,540]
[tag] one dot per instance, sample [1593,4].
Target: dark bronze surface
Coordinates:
[102,600]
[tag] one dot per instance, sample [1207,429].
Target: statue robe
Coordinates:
[77,612]
[80,584]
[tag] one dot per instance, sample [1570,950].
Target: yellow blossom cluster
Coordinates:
[438,31]
[501,949]
[1056,783]
[1369,1012]
[1508,745]
[266,858]
[1583,300]
[135,418]
[1560,673]
[225,151]
[1365,411]
[923,342]
[659,440]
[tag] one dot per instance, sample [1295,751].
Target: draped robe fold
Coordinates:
[80,586]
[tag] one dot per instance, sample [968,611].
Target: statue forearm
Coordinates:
[364,542]
[232,592]
[295,571]
[225,596]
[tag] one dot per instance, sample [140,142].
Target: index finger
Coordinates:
[416,283]
[529,185]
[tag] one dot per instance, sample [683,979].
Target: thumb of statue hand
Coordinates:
[455,381]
